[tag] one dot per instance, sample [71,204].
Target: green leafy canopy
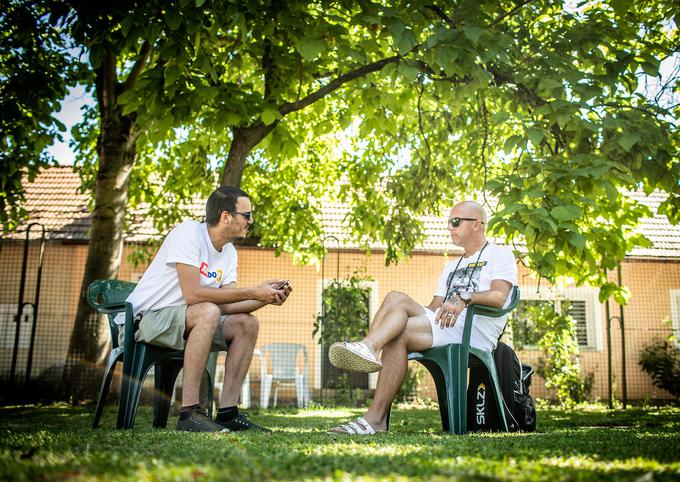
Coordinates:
[395,110]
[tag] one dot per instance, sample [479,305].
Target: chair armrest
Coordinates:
[484,310]
[111,308]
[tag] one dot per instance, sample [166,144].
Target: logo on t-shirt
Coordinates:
[217,275]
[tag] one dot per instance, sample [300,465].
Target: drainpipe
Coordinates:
[620,319]
[323,287]
[610,395]
[36,300]
[623,344]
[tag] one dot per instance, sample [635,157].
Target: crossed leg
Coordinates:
[400,326]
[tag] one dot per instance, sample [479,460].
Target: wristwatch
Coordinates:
[466,296]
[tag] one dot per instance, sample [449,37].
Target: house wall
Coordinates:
[645,317]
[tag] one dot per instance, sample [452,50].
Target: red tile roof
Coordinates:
[54,200]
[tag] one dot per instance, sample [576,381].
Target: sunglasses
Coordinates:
[248,215]
[455,221]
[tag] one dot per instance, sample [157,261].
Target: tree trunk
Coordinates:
[116,152]
[243,141]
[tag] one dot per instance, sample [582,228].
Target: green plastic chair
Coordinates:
[448,366]
[108,297]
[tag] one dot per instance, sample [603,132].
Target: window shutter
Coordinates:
[577,311]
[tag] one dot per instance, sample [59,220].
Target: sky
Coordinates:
[70,114]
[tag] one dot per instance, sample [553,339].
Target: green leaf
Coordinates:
[650,68]
[577,240]
[396,27]
[628,140]
[172,73]
[310,48]
[565,213]
[535,136]
[208,92]
[270,115]
[406,42]
[512,142]
[410,72]
[473,33]
[172,18]
[199,3]
[445,56]
[96,56]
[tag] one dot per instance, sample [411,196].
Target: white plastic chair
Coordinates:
[283,359]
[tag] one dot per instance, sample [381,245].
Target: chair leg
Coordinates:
[165,377]
[300,390]
[458,395]
[276,394]
[441,383]
[306,391]
[131,387]
[265,390]
[245,392]
[211,367]
[115,355]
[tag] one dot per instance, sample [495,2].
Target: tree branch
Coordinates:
[137,69]
[335,84]
[420,121]
[268,68]
[442,15]
[503,16]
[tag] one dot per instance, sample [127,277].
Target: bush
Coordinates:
[560,365]
[344,313]
[661,361]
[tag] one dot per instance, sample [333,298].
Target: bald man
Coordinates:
[485,274]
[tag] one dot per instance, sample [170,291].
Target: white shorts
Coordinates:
[445,336]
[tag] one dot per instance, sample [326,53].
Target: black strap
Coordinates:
[453,273]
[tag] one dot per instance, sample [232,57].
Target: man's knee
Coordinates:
[204,314]
[245,323]
[396,298]
[400,343]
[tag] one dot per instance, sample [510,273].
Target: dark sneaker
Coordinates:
[199,422]
[241,422]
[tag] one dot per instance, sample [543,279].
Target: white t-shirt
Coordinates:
[190,244]
[475,273]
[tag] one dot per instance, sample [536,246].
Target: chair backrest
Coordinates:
[283,359]
[107,291]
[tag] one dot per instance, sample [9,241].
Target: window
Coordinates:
[8,326]
[675,315]
[583,305]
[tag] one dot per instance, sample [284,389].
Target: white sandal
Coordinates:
[356,427]
[353,356]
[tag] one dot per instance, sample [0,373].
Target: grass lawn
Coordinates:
[55,442]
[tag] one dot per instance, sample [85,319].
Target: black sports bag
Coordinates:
[515,380]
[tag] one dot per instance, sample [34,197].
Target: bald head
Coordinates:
[471,209]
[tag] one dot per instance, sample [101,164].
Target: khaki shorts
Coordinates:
[165,328]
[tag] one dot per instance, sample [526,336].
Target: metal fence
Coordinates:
[40,281]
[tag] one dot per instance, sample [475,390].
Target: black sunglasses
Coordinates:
[248,215]
[455,221]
